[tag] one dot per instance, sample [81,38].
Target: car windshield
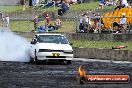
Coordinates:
[59,39]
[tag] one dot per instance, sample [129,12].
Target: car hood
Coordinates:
[54,46]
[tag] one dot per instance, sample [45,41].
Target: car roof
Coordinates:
[47,34]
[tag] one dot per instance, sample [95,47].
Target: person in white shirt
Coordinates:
[83,22]
[7,19]
[122,23]
[57,23]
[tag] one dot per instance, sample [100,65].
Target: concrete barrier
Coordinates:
[103,54]
[102,37]
[87,36]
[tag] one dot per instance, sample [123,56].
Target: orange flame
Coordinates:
[81,71]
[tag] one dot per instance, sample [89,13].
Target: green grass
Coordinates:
[84,6]
[100,44]
[27,26]
[22,26]
[11,8]
[80,7]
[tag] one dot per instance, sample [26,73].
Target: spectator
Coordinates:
[47,17]
[30,3]
[60,11]
[7,19]
[124,3]
[98,21]
[44,15]
[72,2]
[102,2]
[3,21]
[81,23]
[85,22]
[64,7]
[58,23]
[1,15]
[95,20]
[67,6]
[36,23]
[122,23]
[23,4]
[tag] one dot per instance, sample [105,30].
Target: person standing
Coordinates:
[47,18]
[7,19]
[58,23]
[122,23]
[37,2]
[30,3]
[36,23]
[3,21]
[124,3]
[23,4]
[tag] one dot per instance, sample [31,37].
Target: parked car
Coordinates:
[50,47]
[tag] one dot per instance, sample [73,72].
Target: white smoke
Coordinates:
[13,47]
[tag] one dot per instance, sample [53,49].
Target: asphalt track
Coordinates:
[57,75]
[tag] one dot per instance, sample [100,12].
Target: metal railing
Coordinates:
[27,24]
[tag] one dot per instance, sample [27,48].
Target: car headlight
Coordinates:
[68,51]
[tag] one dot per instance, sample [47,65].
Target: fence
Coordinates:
[72,24]
[27,24]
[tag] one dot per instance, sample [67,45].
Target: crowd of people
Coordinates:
[47,25]
[121,24]
[123,3]
[90,23]
[95,22]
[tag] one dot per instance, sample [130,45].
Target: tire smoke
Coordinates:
[13,47]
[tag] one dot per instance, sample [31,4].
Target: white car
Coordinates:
[50,47]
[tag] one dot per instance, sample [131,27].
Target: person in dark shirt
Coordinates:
[36,23]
